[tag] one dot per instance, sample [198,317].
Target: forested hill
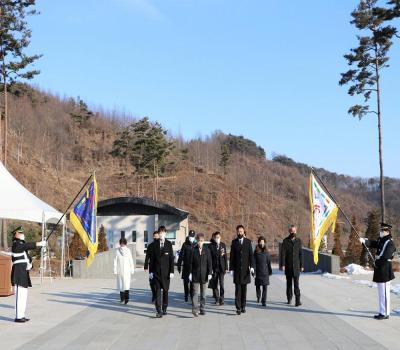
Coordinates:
[222,180]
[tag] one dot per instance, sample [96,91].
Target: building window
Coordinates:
[133,236]
[122,234]
[146,236]
[170,235]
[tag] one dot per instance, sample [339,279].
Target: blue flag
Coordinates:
[83,218]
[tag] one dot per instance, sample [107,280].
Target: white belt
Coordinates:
[22,261]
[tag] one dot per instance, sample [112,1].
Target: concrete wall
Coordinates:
[102,266]
[326,262]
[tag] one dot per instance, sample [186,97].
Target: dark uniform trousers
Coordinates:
[188,287]
[240,296]
[219,281]
[290,280]
[158,287]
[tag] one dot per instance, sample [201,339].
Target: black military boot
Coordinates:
[122,297]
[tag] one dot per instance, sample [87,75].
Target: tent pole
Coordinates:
[62,252]
[42,251]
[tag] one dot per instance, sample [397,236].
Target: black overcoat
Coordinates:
[219,257]
[201,265]
[185,257]
[263,268]
[19,273]
[291,256]
[383,271]
[241,260]
[161,262]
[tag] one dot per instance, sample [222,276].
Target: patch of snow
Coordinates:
[395,289]
[317,272]
[354,269]
[334,277]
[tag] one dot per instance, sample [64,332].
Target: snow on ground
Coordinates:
[354,269]
[334,277]
[365,283]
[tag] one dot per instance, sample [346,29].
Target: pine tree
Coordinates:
[368,59]
[102,247]
[337,246]
[372,233]
[76,248]
[354,247]
[225,157]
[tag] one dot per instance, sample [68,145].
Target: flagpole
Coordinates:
[69,206]
[341,210]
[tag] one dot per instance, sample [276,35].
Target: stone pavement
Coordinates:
[86,314]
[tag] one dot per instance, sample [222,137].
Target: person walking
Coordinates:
[241,265]
[263,270]
[220,266]
[156,237]
[200,272]
[185,257]
[123,269]
[291,260]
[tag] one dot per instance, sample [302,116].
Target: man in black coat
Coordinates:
[220,266]
[200,270]
[383,271]
[156,236]
[21,264]
[241,265]
[185,257]
[291,260]
[161,270]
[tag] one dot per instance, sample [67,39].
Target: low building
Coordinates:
[137,218]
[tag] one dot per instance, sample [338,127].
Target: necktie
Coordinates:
[162,244]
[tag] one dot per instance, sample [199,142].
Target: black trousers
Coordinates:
[124,295]
[158,304]
[262,295]
[153,291]
[290,280]
[240,296]
[219,293]
[188,287]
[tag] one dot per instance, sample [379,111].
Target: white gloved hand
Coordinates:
[190,277]
[362,240]
[209,278]
[41,244]
[151,275]
[171,276]
[251,270]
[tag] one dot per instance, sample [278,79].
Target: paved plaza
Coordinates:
[86,314]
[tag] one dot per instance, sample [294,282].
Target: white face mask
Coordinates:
[382,234]
[162,235]
[191,239]
[21,237]
[218,240]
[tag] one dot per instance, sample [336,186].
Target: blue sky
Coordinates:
[264,69]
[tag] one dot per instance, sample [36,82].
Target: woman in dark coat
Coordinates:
[263,269]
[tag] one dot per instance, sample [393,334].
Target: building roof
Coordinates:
[123,206]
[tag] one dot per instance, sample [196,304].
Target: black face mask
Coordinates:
[240,236]
[292,235]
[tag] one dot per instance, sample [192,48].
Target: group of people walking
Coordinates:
[204,266]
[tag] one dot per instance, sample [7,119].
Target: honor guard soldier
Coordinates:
[21,264]
[383,272]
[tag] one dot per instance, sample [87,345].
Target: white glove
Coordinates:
[362,240]
[251,270]
[190,277]
[209,278]
[41,244]
[151,275]
[171,276]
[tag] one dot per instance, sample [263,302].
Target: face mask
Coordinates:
[218,240]
[22,237]
[292,234]
[163,236]
[240,235]
[262,245]
[191,239]
[382,234]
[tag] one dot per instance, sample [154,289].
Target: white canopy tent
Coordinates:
[17,203]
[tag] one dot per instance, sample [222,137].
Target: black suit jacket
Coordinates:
[219,257]
[383,271]
[201,265]
[292,256]
[19,273]
[161,261]
[241,260]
